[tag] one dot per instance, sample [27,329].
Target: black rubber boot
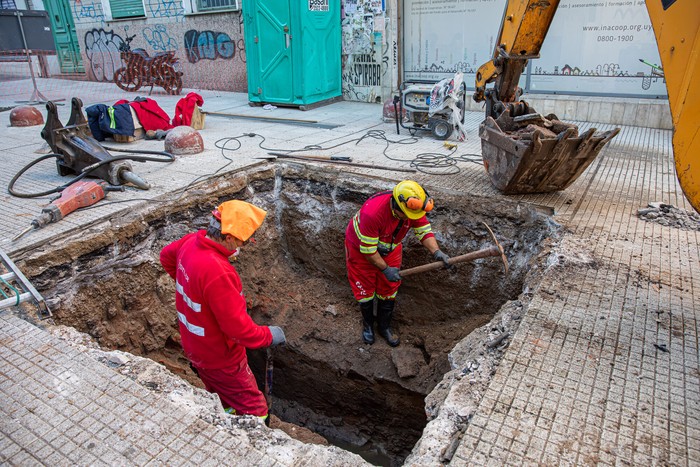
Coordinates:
[385,310]
[367,309]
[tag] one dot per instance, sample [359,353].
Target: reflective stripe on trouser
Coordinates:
[237,388]
[365,279]
[232,411]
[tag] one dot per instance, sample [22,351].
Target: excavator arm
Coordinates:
[523,29]
[525,152]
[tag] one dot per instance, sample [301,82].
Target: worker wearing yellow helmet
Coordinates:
[373,251]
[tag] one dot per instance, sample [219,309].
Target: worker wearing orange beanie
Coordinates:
[215,327]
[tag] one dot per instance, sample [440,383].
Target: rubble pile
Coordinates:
[670,216]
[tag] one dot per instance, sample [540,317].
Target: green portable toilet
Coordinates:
[292,51]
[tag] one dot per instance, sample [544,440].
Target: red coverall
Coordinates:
[185,108]
[215,327]
[150,115]
[375,225]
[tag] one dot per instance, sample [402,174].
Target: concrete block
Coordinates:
[26,115]
[618,113]
[560,108]
[547,107]
[582,110]
[594,111]
[665,120]
[630,113]
[569,110]
[183,140]
[641,116]
[654,116]
[606,110]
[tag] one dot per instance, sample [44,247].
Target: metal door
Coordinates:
[270,70]
[63,29]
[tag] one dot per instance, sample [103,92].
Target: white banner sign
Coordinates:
[593,46]
[445,36]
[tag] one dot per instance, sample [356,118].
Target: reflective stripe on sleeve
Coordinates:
[422,231]
[196,307]
[368,250]
[363,238]
[196,330]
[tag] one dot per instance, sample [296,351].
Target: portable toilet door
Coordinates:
[293,51]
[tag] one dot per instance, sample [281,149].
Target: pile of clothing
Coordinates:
[118,119]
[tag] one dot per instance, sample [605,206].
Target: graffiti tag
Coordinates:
[102,51]
[159,39]
[166,9]
[365,71]
[87,11]
[208,45]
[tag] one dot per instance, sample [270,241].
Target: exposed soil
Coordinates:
[109,283]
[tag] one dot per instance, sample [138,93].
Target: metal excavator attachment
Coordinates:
[80,152]
[529,153]
[523,151]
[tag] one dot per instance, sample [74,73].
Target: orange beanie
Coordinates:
[239,218]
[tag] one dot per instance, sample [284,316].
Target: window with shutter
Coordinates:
[209,5]
[126,8]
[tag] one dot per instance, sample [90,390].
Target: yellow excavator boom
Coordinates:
[676,26]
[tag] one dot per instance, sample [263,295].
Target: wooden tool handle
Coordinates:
[484,253]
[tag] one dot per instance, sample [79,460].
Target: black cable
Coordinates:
[429,163]
[43,193]
[87,170]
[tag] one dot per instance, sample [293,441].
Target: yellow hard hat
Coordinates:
[239,218]
[413,200]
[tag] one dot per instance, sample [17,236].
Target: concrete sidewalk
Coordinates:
[604,368]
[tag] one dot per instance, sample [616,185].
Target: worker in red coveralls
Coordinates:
[373,251]
[215,327]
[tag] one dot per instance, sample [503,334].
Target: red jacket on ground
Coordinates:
[151,116]
[185,108]
[214,324]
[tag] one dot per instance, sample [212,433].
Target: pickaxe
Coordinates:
[495,250]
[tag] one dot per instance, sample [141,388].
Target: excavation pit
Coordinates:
[106,281]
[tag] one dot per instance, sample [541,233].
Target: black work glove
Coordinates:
[277,336]
[391,274]
[440,256]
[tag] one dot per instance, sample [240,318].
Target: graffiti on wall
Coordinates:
[87,11]
[365,71]
[166,9]
[367,57]
[362,77]
[208,45]
[158,38]
[102,52]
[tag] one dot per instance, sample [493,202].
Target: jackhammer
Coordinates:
[79,195]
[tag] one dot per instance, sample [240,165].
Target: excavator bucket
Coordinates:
[535,154]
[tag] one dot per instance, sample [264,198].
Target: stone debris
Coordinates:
[407,360]
[670,216]
[117,358]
